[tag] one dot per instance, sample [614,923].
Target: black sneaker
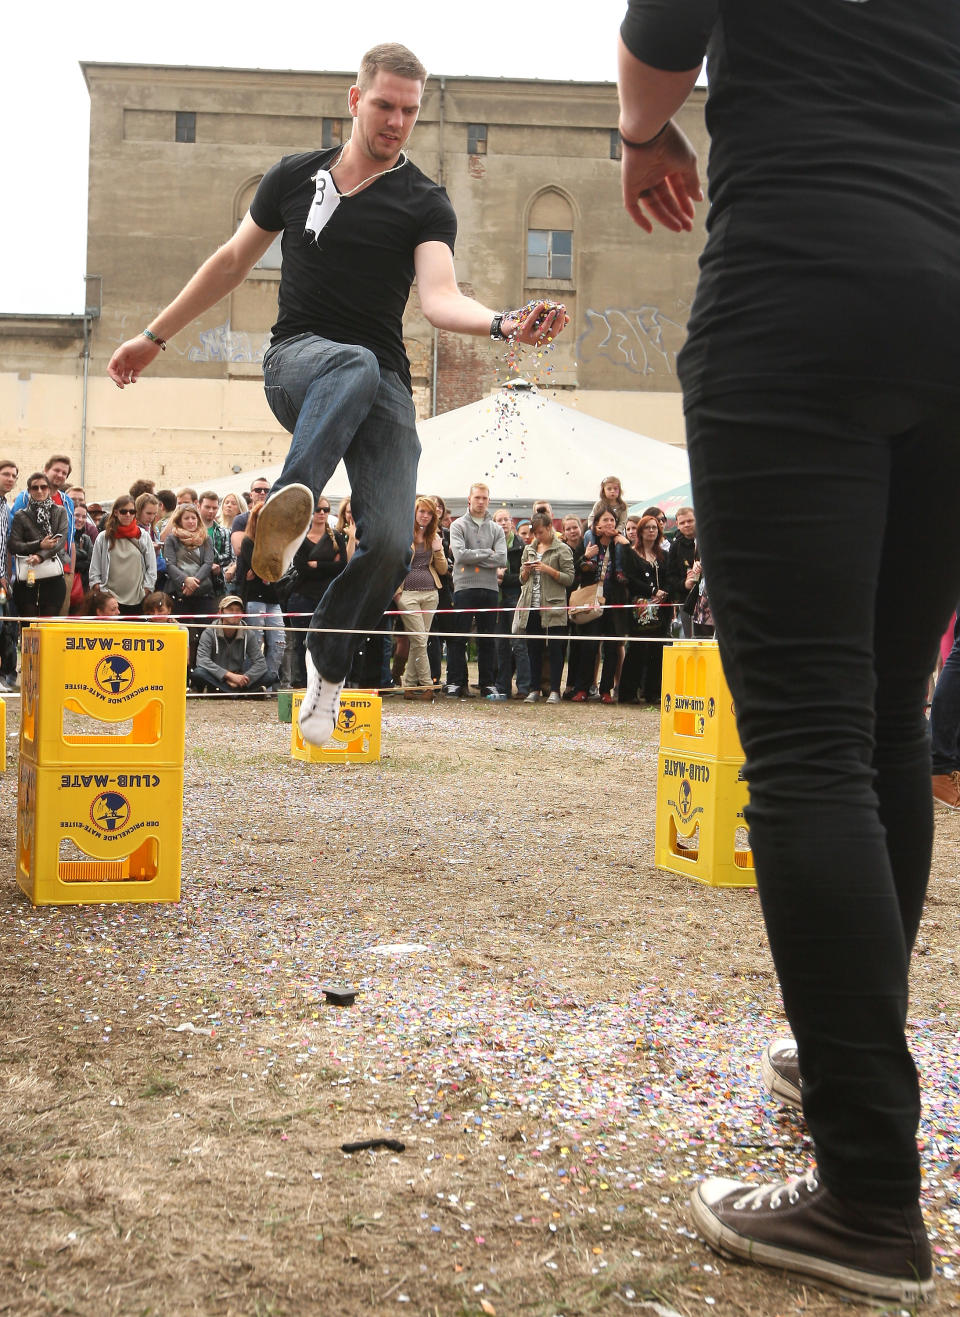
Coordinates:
[780,1068]
[801,1227]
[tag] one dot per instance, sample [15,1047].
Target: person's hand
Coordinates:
[231,572]
[130,359]
[49,542]
[662,179]
[621,538]
[544,321]
[501,573]
[437,545]
[591,551]
[33,557]
[216,570]
[234,679]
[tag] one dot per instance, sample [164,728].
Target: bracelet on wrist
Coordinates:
[155,338]
[642,146]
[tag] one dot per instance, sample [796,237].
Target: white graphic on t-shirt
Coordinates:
[325,201]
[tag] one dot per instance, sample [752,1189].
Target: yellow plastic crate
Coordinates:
[696,708]
[356,737]
[700,829]
[103,673]
[121,828]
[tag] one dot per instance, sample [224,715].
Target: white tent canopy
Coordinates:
[525,447]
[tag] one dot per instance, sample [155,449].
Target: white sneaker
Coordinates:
[533,698]
[320,706]
[280,531]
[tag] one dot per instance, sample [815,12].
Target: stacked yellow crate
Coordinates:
[100,800]
[701,790]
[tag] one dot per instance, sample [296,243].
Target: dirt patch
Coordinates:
[573,1044]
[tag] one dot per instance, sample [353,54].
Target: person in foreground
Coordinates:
[835,214]
[359,222]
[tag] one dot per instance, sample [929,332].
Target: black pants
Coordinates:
[469,605]
[829,610]
[43,599]
[643,667]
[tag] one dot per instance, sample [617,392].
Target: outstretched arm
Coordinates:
[447,308]
[225,270]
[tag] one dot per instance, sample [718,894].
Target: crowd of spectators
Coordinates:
[486,579]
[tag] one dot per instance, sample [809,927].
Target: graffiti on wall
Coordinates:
[225,344]
[643,340]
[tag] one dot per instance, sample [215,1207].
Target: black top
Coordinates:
[329,557]
[351,284]
[834,185]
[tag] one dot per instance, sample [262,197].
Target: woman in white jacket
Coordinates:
[123,559]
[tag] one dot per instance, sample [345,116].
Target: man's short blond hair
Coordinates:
[478,485]
[392,58]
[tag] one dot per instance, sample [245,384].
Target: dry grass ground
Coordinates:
[572,1046]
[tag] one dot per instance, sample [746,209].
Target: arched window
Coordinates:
[270,260]
[550,229]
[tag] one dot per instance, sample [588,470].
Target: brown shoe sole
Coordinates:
[282,527]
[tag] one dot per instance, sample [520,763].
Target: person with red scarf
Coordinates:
[123,560]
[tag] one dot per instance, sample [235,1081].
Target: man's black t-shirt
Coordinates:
[834,188]
[351,284]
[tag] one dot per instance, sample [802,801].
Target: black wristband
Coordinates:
[641,146]
[496,331]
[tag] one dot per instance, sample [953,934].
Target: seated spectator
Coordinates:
[229,655]
[321,557]
[546,570]
[38,540]
[100,603]
[123,558]
[158,607]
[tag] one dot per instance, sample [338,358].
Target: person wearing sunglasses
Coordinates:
[123,559]
[40,544]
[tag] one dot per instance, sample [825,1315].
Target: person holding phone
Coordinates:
[38,542]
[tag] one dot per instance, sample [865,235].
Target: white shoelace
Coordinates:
[774,1195]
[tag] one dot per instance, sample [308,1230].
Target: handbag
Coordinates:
[645,611]
[43,569]
[585,604]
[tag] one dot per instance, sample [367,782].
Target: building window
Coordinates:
[549,254]
[476,139]
[616,146]
[186,126]
[331,133]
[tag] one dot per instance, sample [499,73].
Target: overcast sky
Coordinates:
[46,108]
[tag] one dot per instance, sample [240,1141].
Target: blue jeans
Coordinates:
[945,714]
[272,635]
[340,405]
[511,652]
[827,647]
